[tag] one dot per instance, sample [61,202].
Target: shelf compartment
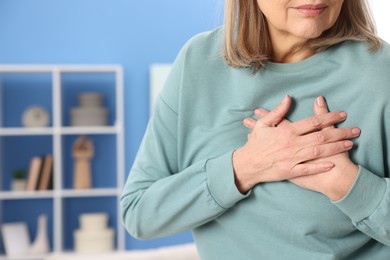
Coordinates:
[15,211]
[73,207]
[73,84]
[21,91]
[17,153]
[103,164]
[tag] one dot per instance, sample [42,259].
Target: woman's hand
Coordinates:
[279,150]
[336,183]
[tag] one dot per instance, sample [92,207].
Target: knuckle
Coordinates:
[299,170]
[321,137]
[315,122]
[315,151]
[304,170]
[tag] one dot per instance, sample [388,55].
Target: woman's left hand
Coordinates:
[335,183]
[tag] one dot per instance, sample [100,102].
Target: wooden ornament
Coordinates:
[83,152]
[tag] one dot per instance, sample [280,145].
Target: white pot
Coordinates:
[88,116]
[18,185]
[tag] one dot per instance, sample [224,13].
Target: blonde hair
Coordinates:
[247,43]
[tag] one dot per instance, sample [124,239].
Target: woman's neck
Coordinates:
[288,48]
[290,54]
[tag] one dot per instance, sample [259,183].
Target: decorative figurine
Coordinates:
[16,239]
[35,116]
[90,112]
[83,152]
[41,241]
[94,235]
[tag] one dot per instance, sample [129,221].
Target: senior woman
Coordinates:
[299,184]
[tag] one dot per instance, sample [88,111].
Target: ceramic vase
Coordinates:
[41,242]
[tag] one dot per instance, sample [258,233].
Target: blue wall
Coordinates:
[132,33]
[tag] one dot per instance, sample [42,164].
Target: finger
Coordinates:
[318,122]
[304,169]
[328,136]
[320,107]
[261,112]
[249,122]
[277,114]
[323,151]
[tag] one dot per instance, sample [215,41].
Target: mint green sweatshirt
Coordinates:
[182,177]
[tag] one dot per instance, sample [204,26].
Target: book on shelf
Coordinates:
[46,179]
[40,173]
[34,173]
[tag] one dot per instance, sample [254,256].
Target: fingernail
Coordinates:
[343,114]
[328,165]
[247,122]
[348,144]
[320,101]
[356,131]
[285,100]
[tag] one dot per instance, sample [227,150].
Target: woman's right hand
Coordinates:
[277,149]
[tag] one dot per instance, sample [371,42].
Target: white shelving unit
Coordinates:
[58,132]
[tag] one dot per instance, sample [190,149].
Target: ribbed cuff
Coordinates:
[364,196]
[221,182]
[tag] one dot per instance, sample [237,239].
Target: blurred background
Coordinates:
[133,34]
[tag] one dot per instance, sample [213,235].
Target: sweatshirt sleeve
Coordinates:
[159,197]
[158,200]
[368,205]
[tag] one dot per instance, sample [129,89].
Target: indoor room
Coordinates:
[79,82]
